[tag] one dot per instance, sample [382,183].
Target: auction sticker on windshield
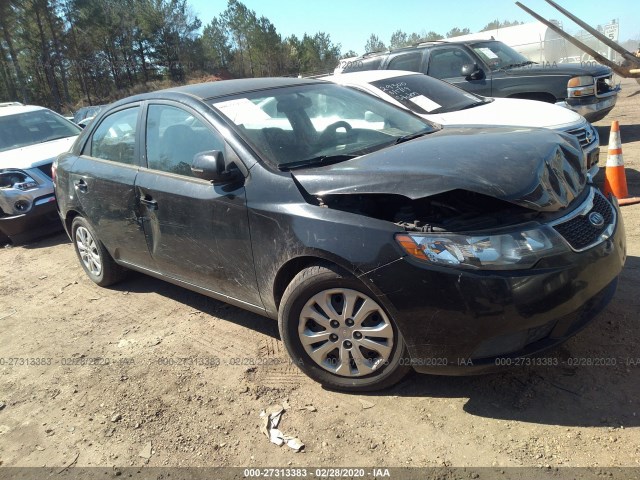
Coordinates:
[241,111]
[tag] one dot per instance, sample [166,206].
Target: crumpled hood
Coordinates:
[533,168]
[35,155]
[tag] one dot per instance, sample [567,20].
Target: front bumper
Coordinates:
[41,219]
[592,108]
[458,322]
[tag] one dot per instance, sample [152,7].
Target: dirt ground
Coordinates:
[150,374]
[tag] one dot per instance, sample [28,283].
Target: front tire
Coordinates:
[338,334]
[94,257]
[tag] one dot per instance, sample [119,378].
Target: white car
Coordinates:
[31,137]
[446,104]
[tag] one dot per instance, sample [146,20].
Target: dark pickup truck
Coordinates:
[493,69]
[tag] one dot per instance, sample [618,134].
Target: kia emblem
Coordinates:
[596,219]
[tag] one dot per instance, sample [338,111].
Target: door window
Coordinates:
[174,137]
[115,138]
[409,62]
[447,62]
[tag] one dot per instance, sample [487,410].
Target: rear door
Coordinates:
[196,232]
[445,63]
[103,180]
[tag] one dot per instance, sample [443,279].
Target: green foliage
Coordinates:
[67,53]
[374,44]
[498,24]
[456,32]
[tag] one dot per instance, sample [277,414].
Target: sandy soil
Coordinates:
[147,369]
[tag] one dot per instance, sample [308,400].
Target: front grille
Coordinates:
[579,231]
[46,169]
[584,139]
[602,87]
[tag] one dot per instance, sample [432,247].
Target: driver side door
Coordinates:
[445,63]
[196,232]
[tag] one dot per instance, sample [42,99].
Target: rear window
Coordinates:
[423,94]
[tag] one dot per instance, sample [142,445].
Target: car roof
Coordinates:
[217,89]
[14,109]
[223,88]
[368,76]
[429,43]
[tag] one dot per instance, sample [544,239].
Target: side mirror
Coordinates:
[471,71]
[211,166]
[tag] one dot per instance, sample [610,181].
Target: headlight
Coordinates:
[507,251]
[17,179]
[580,81]
[581,86]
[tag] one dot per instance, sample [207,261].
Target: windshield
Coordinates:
[309,124]
[499,56]
[30,128]
[423,94]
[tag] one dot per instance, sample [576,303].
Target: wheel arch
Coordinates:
[295,265]
[68,220]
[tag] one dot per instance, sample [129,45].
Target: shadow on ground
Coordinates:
[628,134]
[52,240]
[140,283]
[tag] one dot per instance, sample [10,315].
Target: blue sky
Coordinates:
[350,22]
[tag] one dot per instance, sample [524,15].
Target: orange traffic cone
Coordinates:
[615,180]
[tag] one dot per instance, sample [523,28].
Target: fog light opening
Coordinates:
[21,205]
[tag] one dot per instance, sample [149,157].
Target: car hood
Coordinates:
[533,168]
[35,155]
[511,111]
[569,69]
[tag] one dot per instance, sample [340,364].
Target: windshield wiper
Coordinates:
[411,136]
[58,138]
[316,161]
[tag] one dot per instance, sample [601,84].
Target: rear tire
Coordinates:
[94,257]
[339,334]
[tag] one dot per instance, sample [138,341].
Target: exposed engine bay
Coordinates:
[453,211]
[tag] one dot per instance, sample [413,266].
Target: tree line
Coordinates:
[66,53]
[401,39]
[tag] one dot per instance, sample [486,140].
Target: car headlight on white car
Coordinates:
[518,249]
[581,86]
[17,179]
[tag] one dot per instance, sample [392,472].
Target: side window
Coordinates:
[447,62]
[174,137]
[408,61]
[115,137]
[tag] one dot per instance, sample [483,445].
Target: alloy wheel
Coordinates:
[346,332]
[88,250]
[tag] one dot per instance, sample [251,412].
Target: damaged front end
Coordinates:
[493,210]
[27,204]
[507,251]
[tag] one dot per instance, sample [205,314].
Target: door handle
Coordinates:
[80,185]
[149,202]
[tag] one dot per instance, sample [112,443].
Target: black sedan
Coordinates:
[379,241]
